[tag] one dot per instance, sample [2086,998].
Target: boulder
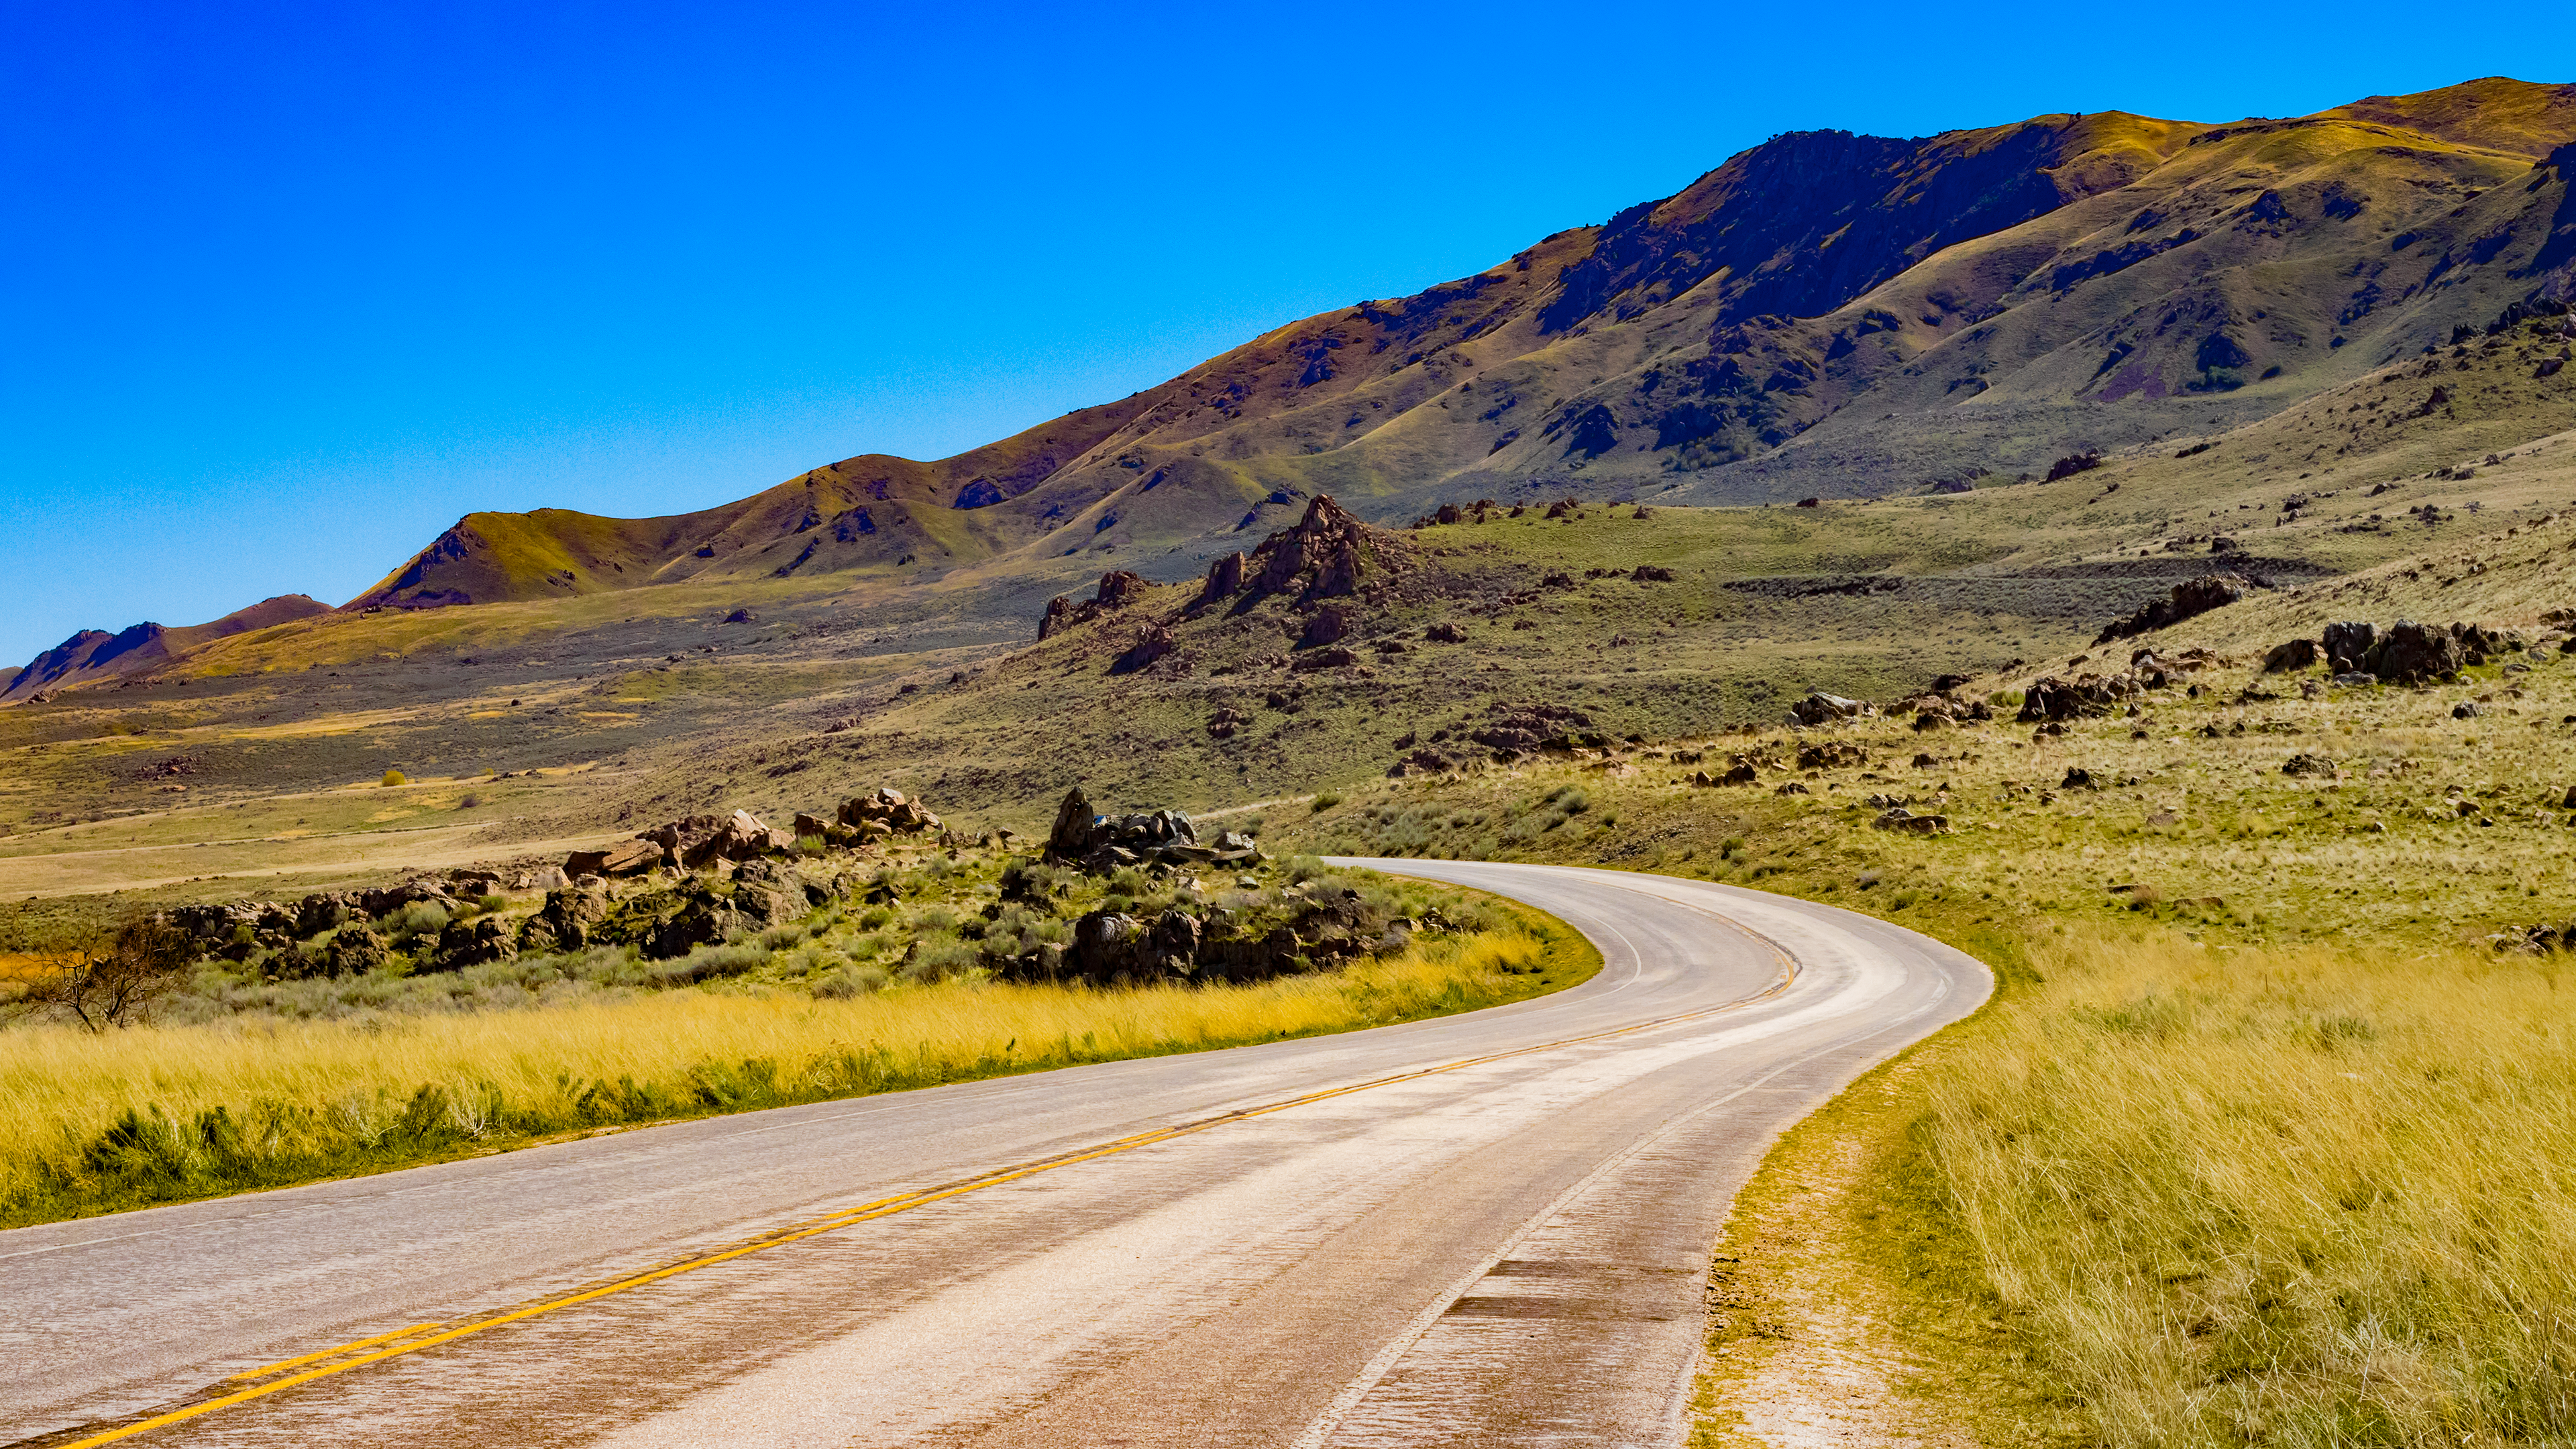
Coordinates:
[1326,625]
[354,950]
[1333,657]
[473,943]
[321,911]
[2412,653]
[1898,818]
[2347,644]
[1445,633]
[1821,708]
[2309,767]
[2289,655]
[883,812]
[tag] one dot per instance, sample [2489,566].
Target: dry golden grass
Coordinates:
[95,1122]
[2303,1196]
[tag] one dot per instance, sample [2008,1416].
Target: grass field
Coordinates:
[96,1123]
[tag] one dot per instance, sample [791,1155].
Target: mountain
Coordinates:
[93,654]
[1825,314]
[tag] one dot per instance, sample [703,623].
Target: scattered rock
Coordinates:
[2465,709]
[1901,819]
[1834,755]
[1445,633]
[2304,766]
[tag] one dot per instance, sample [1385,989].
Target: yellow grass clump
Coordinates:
[2297,1196]
[97,1122]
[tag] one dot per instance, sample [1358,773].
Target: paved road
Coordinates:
[1490,1229]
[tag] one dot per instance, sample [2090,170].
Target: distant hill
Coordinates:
[1825,314]
[94,654]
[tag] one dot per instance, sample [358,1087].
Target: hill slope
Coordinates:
[1825,313]
[93,654]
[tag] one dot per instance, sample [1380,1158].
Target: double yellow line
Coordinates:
[274,1378]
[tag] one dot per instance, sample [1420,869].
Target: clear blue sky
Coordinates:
[289,289]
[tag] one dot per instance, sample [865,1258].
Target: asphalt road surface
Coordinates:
[1489,1229]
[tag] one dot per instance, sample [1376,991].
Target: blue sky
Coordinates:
[292,288]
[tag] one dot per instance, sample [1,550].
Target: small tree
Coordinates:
[118,984]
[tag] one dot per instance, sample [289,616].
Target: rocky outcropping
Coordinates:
[2051,699]
[1118,588]
[1102,843]
[2188,600]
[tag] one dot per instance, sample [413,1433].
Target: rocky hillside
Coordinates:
[93,655]
[1826,314]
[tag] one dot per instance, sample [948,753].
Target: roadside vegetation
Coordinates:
[2261,1141]
[99,1121]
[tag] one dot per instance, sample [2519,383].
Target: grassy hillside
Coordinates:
[1825,314]
[610,710]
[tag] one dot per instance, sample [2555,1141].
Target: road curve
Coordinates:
[1488,1229]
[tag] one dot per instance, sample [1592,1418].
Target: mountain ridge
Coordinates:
[2080,280]
[92,655]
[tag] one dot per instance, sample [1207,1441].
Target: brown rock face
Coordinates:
[1327,626]
[1118,588]
[1152,642]
[1325,556]
[1224,581]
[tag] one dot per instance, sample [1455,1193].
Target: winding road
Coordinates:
[1488,1229]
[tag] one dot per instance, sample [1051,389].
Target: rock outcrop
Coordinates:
[1101,843]
[2188,600]
[1117,589]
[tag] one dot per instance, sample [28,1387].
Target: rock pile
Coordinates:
[1102,843]
[2050,699]
[1109,947]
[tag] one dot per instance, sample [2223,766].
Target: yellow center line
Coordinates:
[869,1212]
[284,1364]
